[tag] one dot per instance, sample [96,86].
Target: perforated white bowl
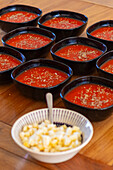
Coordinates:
[59,116]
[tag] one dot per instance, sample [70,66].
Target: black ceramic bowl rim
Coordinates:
[20,6]
[23,30]
[98,66]
[77,38]
[59,13]
[38,60]
[85,80]
[102,24]
[22,61]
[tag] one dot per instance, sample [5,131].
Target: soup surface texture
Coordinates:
[63,23]
[7,62]
[42,77]
[108,66]
[78,52]
[105,33]
[18,16]
[28,41]
[91,95]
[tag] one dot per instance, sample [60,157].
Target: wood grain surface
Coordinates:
[108,3]
[98,154]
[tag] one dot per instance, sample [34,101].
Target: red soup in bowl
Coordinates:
[105,33]
[42,77]
[108,66]
[8,62]
[28,41]
[33,42]
[18,16]
[78,52]
[91,95]
[63,23]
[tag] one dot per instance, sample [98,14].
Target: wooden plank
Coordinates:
[101,146]
[80,162]
[5,87]
[13,162]
[14,104]
[108,3]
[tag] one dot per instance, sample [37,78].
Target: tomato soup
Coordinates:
[105,33]
[7,62]
[108,66]
[63,23]
[91,95]
[18,16]
[42,77]
[28,41]
[78,52]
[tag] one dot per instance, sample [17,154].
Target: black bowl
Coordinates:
[31,53]
[8,26]
[5,76]
[97,25]
[37,92]
[79,67]
[107,56]
[63,33]
[90,113]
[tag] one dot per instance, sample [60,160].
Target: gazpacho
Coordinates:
[108,66]
[42,76]
[91,95]
[63,23]
[105,33]
[28,41]
[7,62]
[18,16]
[78,52]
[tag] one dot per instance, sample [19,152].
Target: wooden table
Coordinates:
[98,154]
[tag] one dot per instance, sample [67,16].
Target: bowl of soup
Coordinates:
[79,53]
[102,31]
[91,96]
[14,16]
[9,60]
[104,65]
[33,42]
[64,23]
[36,77]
